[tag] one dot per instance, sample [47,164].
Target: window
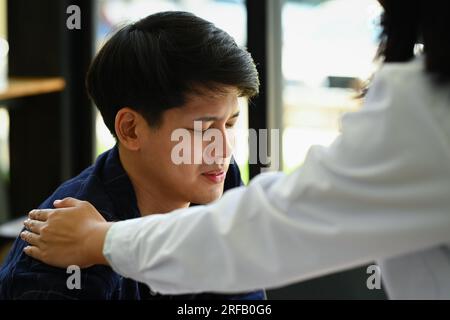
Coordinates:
[4,163]
[328,51]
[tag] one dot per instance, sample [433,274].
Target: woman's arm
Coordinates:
[381,189]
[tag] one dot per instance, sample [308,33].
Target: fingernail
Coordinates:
[57,201]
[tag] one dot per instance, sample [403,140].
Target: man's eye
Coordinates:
[193,130]
[230,125]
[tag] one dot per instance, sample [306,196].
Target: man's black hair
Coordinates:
[151,65]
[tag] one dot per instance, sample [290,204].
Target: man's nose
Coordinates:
[222,146]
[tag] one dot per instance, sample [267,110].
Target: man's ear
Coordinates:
[126,124]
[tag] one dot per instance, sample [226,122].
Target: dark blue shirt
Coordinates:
[107,186]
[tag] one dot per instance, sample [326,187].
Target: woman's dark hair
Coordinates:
[406,23]
[152,64]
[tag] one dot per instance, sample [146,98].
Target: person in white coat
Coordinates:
[380,192]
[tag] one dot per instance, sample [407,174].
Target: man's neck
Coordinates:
[150,198]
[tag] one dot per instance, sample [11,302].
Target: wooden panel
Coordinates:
[21,87]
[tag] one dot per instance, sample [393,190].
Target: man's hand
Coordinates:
[71,234]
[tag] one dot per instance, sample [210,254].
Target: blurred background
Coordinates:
[313,57]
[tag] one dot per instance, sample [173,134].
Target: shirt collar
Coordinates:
[118,186]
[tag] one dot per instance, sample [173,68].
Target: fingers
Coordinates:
[34,225]
[33,252]
[60,205]
[67,202]
[39,214]
[30,237]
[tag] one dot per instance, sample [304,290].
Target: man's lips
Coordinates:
[216,176]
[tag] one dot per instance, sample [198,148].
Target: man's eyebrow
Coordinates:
[235,115]
[210,118]
[206,119]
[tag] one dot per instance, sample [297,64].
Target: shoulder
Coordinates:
[233,178]
[397,71]
[88,186]
[22,277]
[404,83]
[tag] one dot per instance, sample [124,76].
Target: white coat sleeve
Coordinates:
[381,189]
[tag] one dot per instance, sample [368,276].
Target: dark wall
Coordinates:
[51,135]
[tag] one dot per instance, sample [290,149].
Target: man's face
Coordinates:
[200,180]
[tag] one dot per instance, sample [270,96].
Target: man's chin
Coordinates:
[208,196]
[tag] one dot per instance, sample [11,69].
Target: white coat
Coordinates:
[382,189]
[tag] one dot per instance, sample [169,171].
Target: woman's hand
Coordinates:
[71,234]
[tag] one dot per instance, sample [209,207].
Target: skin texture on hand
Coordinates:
[71,234]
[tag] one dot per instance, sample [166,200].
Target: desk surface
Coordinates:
[21,87]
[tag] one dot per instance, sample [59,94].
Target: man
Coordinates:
[166,72]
